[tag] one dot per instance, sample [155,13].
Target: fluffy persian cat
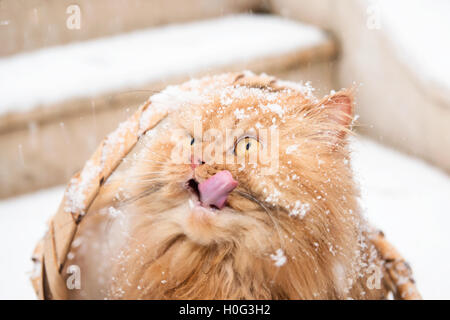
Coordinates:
[243,191]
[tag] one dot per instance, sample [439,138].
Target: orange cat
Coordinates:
[244,191]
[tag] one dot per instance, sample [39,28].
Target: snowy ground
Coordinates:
[406,198]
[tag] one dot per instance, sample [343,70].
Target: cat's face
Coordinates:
[243,191]
[278,155]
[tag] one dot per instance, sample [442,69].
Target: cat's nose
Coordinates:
[215,190]
[196,162]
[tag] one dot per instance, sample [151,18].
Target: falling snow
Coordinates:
[291,149]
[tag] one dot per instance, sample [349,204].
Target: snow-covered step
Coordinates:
[136,59]
[29,25]
[412,210]
[57,103]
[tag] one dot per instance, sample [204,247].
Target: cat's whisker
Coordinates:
[142,174]
[136,178]
[150,161]
[150,173]
[276,225]
[147,180]
[138,181]
[152,189]
[158,154]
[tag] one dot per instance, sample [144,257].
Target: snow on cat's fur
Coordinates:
[291,232]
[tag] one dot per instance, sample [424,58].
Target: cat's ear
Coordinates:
[338,109]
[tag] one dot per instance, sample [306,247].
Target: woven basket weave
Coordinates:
[51,252]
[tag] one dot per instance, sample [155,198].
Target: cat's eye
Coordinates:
[188,142]
[246,145]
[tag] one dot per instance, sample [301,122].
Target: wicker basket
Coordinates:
[51,252]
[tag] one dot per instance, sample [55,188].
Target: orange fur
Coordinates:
[159,248]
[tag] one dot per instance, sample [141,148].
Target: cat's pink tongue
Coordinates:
[215,190]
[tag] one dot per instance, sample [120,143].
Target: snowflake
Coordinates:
[300,209]
[279,258]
